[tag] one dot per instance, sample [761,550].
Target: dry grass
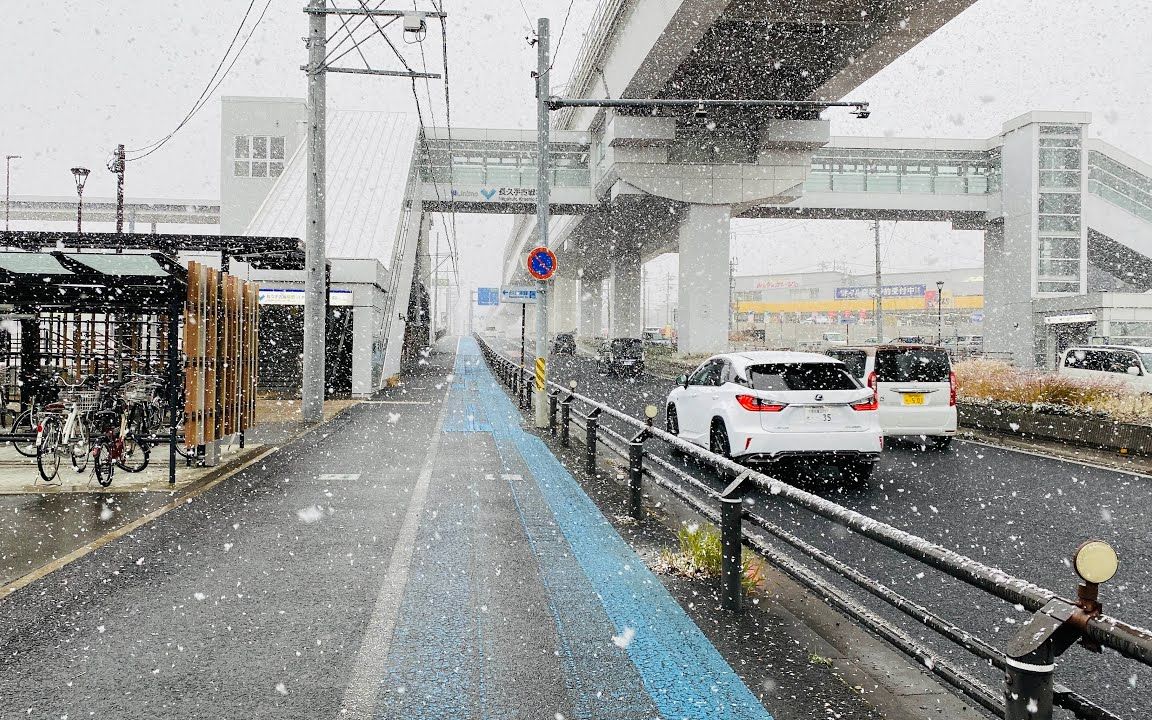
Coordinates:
[994,380]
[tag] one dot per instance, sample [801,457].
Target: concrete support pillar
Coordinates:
[363,324]
[627,302]
[1008,326]
[591,307]
[564,300]
[702,318]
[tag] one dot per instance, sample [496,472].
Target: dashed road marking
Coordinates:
[338,476]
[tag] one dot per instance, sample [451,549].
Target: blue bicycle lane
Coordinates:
[523,601]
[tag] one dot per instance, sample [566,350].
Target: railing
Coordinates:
[1120,185]
[1029,661]
[504,163]
[880,170]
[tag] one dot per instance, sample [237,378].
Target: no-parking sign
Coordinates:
[541,263]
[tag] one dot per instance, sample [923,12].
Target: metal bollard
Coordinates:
[566,422]
[731,569]
[590,440]
[553,398]
[636,475]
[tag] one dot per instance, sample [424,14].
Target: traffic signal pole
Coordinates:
[543,193]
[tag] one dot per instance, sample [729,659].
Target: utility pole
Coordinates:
[732,294]
[543,196]
[117,166]
[312,386]
[8,186]
[879,286]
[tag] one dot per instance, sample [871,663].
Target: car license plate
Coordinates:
[629,362]
[913,398]
[818,415]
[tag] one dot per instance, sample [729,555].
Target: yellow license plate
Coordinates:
[913,398]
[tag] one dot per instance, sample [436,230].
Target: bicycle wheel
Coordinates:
[80,448]
[48,452]
[102,462]
[134,456]
[24,424]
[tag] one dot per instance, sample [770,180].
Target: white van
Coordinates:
[1128,365]
[915,387]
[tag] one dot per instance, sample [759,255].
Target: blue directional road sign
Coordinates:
[487,296]
[523,295]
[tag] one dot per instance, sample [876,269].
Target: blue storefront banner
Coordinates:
[857,293]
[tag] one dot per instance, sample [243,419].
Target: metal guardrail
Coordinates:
[1030,691]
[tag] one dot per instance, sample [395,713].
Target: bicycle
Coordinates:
[63,429]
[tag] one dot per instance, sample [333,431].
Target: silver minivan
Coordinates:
[914,385]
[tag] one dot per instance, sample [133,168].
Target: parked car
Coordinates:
[1129,365]
[621,356]
[914,385]
[654,337]
[564,344]
[773,406]
[832,339]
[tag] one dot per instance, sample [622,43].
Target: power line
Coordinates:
[560,39]
[204,96]
[207,85]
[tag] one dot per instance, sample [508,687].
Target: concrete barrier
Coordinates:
[1087,429]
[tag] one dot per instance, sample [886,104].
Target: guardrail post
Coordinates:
[636,475]
[590,440]
[517,387]
[731,545]
[527,382]
[566,421]
[553,400]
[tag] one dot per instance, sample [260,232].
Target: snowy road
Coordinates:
[1021,512]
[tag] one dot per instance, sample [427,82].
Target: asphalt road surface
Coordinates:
[1020,512]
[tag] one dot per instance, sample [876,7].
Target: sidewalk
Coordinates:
[421,556]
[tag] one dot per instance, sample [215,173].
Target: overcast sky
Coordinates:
[82,75]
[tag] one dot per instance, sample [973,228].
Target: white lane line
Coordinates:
[364,685]
[1071,461]
[338,476]
[395,402]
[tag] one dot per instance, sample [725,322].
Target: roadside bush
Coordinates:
[992,380]
[701,555]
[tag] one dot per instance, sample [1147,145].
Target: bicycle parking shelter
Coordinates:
[34,283]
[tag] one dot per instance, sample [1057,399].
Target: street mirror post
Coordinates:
[1030,658]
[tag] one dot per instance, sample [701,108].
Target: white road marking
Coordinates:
[395,402]
[339,476]
[1072,461]
[364,685]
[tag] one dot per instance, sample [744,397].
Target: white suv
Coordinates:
[915,388]
[762,407]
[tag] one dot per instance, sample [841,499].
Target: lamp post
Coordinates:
[81,175]
[939,312]
[8,186]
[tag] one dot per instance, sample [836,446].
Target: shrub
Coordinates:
[701,555]
[999,381]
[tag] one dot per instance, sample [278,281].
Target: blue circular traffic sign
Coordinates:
[541,263]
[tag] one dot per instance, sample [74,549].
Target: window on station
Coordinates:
[258,156]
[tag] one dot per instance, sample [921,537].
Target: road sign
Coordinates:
[525,295]
[541,263]
[487,296]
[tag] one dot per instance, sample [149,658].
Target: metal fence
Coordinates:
[1028,662]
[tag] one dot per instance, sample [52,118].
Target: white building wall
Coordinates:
[241,195]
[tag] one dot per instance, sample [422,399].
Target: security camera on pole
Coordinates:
[538,259]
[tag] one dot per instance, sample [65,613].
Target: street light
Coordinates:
[939,312]
[81,175]
[8,186]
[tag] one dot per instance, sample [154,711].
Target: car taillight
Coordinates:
[875,387]
[952,388]
[39,428]
[755,404]
[869,404]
